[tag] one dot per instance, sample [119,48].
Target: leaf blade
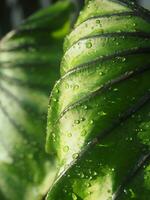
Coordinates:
[103,80]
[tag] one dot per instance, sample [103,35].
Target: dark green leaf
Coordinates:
[99,114]
[29,66]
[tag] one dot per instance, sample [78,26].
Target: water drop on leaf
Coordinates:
[88,45]
[75,155]
[69,134]
[85,107]
[77,121]
[66,149]
[91,122]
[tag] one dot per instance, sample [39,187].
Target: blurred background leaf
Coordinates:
[13,12]
[29,66]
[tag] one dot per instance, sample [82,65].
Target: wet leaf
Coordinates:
[99,121]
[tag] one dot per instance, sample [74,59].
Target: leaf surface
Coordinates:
[29,66]
[99,113]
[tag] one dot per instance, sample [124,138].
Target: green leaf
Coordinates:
[99,113]
[29,66]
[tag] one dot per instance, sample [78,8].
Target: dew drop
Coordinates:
[76,87]
[112,169]
[75,155]
[123,59]
[69,134]
[88,185]
[132,194]
[57,91]
[65,191]
[66,149]
[132,2]
[74,197]
[82,175]
[98,21]
[85,107]
[53,135]
[115,89]
[77,121]
[95,173]
[91,122]
[102,113]
[125,191]
[54,99]
[101,73]
[83,133]
[82,119]
[88,45]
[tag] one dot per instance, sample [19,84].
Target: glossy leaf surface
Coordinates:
[99,113]
[29,66]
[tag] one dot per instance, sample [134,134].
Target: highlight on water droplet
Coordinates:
[123,59]
[132,194]
[77,121]
[54,99]
[82,119]
[88,44]
[102,113]
[66,148]
[98,22]
[101,73]
[95,173]
[75,155]
[92,121]
[57,90]
[85,107]
[69,134]
[83,133]
[115,89]
[76,87]
[74,197]
[112,169]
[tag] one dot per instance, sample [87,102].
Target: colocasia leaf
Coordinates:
[99,113]
[29,66]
